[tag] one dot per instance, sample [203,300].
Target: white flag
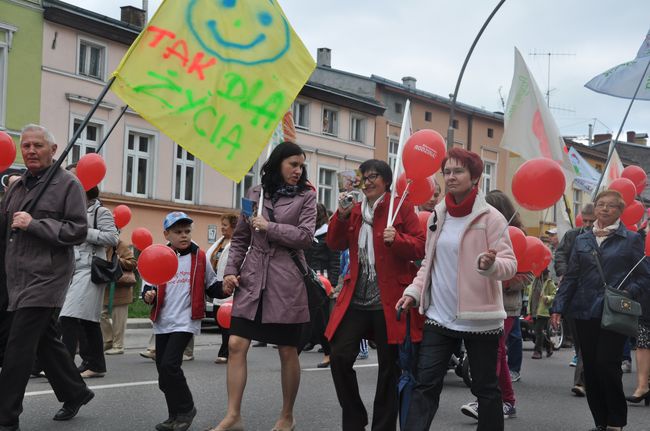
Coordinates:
[614,169]
[622,80]
[586,175]
[530,130]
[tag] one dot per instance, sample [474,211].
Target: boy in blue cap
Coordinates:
[177,310]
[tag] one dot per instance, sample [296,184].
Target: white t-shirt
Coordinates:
[176,313]
[444,290]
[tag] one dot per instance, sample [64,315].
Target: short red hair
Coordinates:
[467,159]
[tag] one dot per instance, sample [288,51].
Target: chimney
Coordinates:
[324,57]
[133,16]
[601,137]
[631,136]
[409,82]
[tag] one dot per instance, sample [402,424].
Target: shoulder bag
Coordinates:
[620,313]
[101,270]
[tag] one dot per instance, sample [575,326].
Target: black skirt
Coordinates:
[281,334]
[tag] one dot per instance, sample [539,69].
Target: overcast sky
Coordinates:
[428,39]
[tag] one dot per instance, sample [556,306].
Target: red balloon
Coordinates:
[625,187]
[579,221]
[534,257]
[122,216]
[632,213]
[7,151]
[157,264]
[423,153]
[420,190]
[546,260]
[632,227]
[141,238]
[423,216]
[518,239]
[538,184]
[326,284]
[224,315]
[637,175]
[91,170]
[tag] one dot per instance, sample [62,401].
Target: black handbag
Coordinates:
[620,312]
[103,271]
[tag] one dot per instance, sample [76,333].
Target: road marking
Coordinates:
[356,366]
[115,385]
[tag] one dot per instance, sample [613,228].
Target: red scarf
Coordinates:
[465,207]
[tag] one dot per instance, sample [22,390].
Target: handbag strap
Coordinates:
[292,252]
[600,267]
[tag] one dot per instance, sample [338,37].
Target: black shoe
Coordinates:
[259,344]
[184,421]
[167,425]
[308,347]
[645,398]
[9,428]
[323,364]
[599,428]
[372,344]
[71,408]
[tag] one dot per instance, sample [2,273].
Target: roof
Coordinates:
[431,97]
[90,22]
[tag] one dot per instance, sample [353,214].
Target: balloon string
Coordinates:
[401,201]
[505,228]
[628,274]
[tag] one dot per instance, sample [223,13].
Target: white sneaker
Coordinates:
[188,357]
[509,411]
[626,366]
[149,354]
[514,376]
[470,409]
[114,351]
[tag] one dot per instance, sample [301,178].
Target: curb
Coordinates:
[138,324]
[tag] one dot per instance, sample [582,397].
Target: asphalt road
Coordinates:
[128,398]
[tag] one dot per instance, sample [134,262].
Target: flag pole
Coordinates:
[620,130]
[400,148]
[57,164]
[119,117]
[452,107]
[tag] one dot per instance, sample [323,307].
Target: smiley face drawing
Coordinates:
[246,32]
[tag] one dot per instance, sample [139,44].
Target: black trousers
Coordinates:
[435,351]
[5,325]
[171,380]
[541,339]
[88,336]
[33,333]
[356,324]
[223,350]
[602,351]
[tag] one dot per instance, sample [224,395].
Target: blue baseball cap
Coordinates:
[174,217]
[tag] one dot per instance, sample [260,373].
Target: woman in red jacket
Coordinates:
[380,268]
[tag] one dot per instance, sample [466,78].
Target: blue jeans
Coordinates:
[515,347]
[433,358]
[627,350]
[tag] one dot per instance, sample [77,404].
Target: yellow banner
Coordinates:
[216,77]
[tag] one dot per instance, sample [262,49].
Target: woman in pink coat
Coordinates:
[270,300]
[457,289]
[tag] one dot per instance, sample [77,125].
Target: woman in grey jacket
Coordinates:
[82,308]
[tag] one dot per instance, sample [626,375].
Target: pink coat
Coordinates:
[479,291]
[267,266]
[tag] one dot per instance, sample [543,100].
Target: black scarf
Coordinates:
[284,190]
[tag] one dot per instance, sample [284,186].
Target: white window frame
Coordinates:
[103,57]
[335,129]
[577,202]
[82,141]
[240,187]
[150,156]
[362,128]
[5,47]
[184,163]
[299,117]
[392,156]
[490,178]
[333,188]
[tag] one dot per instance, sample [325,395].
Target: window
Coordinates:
[91,59]
[326,178]
[246,183]
[398,107]
[577,203]
[489,176]
[301,114]
[357,128]
[427,116]
[330,122]
[454,124]
[88,141]
[139,160]
[490,133]
[6,36]
[185,167]
[393,146]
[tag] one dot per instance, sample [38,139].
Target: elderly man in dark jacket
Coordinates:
[38,262]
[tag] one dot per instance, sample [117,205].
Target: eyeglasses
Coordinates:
[606,206]
[370,178]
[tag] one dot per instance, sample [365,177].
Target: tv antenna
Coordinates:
[548,75]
